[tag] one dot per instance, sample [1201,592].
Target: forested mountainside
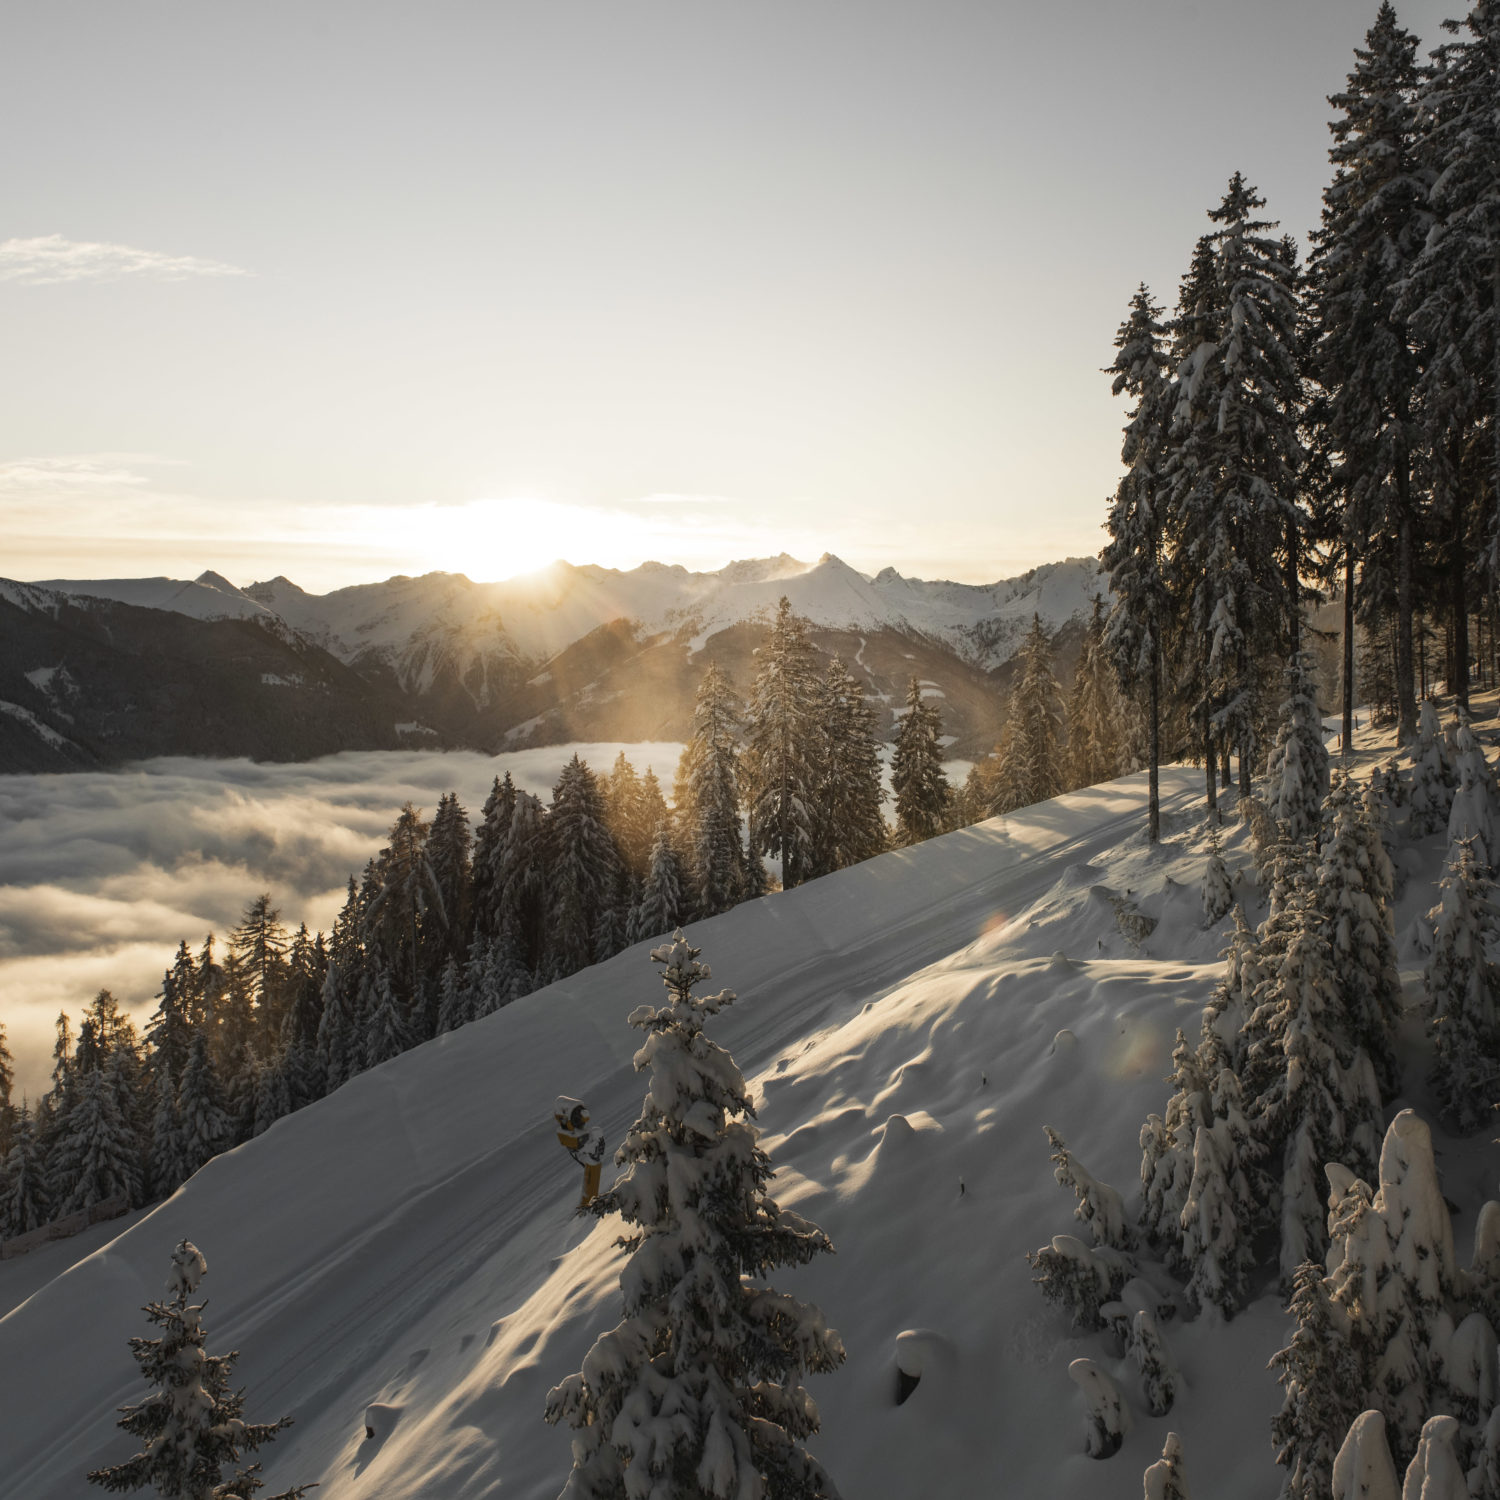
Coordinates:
[100,672]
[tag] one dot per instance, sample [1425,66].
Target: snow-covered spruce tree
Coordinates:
[484,868]
[190,1423]
[169,1031]
[1472,815]
[506,976]
[848,826]
[449,852]
[1451,293]
[1322,1389]
[339,1047]
[340,1041]
[387,1031]
[1222,1039]
[273,1097]
[1148,1352]
[97,1155]
[200,1108]
[1383,797]
[1432,778]
[1435,1472]
[1167,1145]
[1297,773]
[1289,875]
[1099,1205]
[167,1167]
[1166,1479]
[695,1393]
[1218,893]
[7,1108]
[260,941]
[633,807]
[918,783]
[1036,712]
[1363,1468]
[1217,1219]
[1393,1273]
[405,916]
[706,799]
[1484,1471]
[25,1193]
[1322,1101]
[1463,988]
[660,907]
[1133,557]
[1107,1418]
[781,743]
[300,1061]
[1094,749]
[453,999]
[1236,453]
[1364,357]
[1353,893]
[1079,1280]
[521,876]
[583,869]
[1470,1374]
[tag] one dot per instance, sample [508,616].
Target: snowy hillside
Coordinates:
[908,1026]
[207,597]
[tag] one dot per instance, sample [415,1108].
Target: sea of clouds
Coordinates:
[101,874]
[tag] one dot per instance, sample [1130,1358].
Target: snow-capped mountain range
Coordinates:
[569,652]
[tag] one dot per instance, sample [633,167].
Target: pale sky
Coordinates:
[343,289]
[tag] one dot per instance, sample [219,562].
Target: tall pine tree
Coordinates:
[781,731]
[918,782]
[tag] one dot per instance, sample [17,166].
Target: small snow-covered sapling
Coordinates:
[1099,1205]
[1363,1469]
[1107,1418]
[1165,1479]
[1152,1359]
[1436,1473]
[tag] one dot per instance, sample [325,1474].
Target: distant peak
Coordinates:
[763,569]
[273,588]
[888,575]
[211,580]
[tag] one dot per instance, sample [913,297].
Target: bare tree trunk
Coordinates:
[1209,767]
[1348,734]
[1458,676]
[1153,800]
[1292,583]
[1494,624]
[1406,689]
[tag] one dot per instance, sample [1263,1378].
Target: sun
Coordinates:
[495,539]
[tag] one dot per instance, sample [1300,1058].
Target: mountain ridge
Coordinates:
[571,652]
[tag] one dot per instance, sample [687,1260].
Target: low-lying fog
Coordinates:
[101,874]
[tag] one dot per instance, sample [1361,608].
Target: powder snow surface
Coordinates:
[407,1247]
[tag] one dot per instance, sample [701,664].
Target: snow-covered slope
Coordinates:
[207,597]
[909,1025]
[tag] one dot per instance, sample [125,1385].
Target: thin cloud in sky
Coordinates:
[88,472]
[50,260]
[681,500]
